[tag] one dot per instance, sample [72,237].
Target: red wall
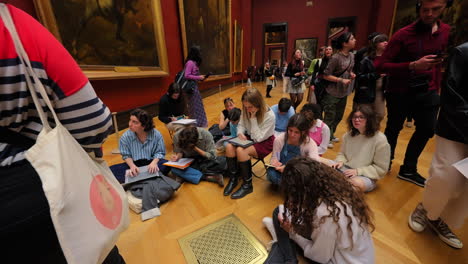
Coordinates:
[303,22]
[306,22]
[125,94]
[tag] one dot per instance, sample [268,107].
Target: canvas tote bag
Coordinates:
[87,205]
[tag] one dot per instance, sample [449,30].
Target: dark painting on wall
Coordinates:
[238,40]
[275,38]
[207,24]
[104,34]
[339,25]
[308,46]
[456,16]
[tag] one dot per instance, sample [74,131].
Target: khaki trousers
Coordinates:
[446,191]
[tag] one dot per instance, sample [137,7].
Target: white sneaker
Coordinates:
[335,139]
[268,223]
[417,219]
[330,145]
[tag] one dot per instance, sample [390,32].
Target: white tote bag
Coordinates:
[87,204]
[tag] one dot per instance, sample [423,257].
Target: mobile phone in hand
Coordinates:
[441,55]
[208,75]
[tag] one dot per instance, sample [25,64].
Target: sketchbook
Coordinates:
[241,143]
[182,163]
[462,166]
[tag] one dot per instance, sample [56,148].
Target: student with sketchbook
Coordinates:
[197,143]
[172,107]
[257,123]
[141,145]
[322,214]
[294,142]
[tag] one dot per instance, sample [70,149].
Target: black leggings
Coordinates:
[25,223]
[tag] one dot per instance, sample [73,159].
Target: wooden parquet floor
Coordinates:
[194,206]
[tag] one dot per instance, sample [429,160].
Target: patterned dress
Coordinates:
[195,102]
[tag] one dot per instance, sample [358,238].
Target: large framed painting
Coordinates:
[276,33]
[308,46]
[339,25]
[109,39]
[238,49]
[207,24]
[456,16]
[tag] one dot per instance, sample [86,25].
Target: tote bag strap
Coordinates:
[29,72]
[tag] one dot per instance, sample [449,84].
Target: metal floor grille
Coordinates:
[226,241]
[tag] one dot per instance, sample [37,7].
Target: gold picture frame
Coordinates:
[137,50]
[208,26]
[238,47]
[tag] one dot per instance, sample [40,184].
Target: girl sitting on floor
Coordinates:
[365,153]
[257,123]
[323,214]
[319,131]
[294,142]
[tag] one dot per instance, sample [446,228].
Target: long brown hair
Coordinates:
[302,124]
[254,97]
[307,183]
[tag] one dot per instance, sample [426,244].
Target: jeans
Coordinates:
[25,223]
[334,110]
[284,250]
[399,106]
[189,174]
[273,176]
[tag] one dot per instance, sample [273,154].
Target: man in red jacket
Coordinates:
[412,62]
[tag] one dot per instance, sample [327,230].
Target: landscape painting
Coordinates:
[103,34]
[207,24]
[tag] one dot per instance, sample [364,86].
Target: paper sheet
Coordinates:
[462,167]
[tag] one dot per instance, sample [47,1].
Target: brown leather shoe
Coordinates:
[217,178]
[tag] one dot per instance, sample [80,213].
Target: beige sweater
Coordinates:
[370,156]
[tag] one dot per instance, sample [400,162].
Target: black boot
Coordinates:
[269,87]
[245,171]
[231,172]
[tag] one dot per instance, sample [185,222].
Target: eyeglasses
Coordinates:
[359,117]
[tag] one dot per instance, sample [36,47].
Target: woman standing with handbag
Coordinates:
[295,71]
[196,108]
[339,74]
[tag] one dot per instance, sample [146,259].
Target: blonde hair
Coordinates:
[254,97]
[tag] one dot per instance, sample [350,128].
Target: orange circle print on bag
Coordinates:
[105,202]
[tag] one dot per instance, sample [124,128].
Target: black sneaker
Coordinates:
[413,177]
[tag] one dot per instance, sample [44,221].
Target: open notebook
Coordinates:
[182,163]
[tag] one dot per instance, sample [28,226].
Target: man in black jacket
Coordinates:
[446,192]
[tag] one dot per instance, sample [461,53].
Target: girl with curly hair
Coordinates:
[365,153]
[323,214]
[141,145]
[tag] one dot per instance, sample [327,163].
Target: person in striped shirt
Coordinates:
[25,220]
[141,145]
